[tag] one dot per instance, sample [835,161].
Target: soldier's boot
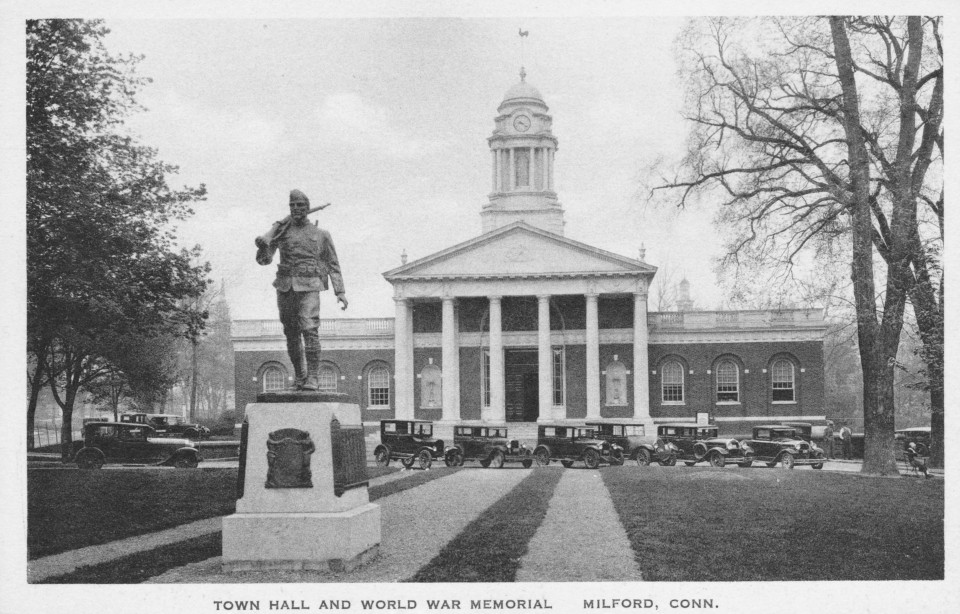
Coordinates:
[295,352]
[311,343]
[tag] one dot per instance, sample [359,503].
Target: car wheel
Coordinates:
[643,457]
[382,456]
[485,462]
[542,456]
[616,457]
[425,459]
[699,450]
[527,463]
[717,460]
[452,458]
[670,461]
[186,462]
[591,458]
[89,460]
[786,461]
[496,459]
[407,462]
[567,463]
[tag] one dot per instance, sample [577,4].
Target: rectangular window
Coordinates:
[379,387]
[486,379]
[558,377]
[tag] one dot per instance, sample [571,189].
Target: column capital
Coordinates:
[543,297]
[495,298]
[401,300]
[592,295]
[641,294]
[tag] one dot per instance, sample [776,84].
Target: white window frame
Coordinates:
[664,383]
[558,357]
[792,382]
[370,387]
[265,378]
[735,383]
[329,368]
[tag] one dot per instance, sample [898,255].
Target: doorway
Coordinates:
[521,371]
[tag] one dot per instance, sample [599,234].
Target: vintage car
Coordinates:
[919,435]
[777,444]
[409,441]
[701,442]
[488,445]
[634,444]
[132,443]
[168,425]
[569,444]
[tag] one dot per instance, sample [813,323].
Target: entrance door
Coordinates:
[522,386]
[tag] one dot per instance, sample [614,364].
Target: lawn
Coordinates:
[69,509]
[770,524]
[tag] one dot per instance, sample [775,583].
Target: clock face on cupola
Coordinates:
[521,123]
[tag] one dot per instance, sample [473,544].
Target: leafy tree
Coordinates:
[102,263]
[817,144]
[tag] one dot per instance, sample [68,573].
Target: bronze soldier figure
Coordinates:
[307,260]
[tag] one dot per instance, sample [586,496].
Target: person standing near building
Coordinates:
[828,438]
[846,438]
[307,260]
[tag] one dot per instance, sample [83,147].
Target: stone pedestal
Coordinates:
[302,508]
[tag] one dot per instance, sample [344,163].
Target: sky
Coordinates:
[387,119]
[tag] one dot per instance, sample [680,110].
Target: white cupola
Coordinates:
[522,149]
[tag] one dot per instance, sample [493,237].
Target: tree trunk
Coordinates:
[195,368]
[36,384]
[878,406]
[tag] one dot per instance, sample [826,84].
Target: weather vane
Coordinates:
[523,35]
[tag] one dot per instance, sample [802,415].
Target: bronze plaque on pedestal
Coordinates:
[288,456]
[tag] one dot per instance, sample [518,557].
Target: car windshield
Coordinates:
[784,434]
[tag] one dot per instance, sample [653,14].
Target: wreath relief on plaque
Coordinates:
[288,457]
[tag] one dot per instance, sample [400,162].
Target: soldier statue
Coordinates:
[307,260]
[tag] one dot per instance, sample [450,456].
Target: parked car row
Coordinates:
[594,444]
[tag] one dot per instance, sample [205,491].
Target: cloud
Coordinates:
[351,121]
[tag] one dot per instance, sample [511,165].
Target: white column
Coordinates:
[545,355]
[550,167]
[512,174]
[593,358]
[403,361]
[450,358]
[493,153]
[531,168]
[641,367]
[498,407]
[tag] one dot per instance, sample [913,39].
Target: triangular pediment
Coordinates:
[519,250]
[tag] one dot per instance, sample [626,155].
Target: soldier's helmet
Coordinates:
[296,196]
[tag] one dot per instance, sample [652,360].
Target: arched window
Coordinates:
[329,378]
[272,379]
[782,381]
[378,387]
[671,378]
[728,382]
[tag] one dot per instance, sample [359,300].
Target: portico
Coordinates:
[548,281]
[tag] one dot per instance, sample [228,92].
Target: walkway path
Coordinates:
[417,524]
[581,538]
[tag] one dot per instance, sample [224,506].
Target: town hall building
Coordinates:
[524,325]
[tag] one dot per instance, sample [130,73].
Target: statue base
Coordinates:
[304,503]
